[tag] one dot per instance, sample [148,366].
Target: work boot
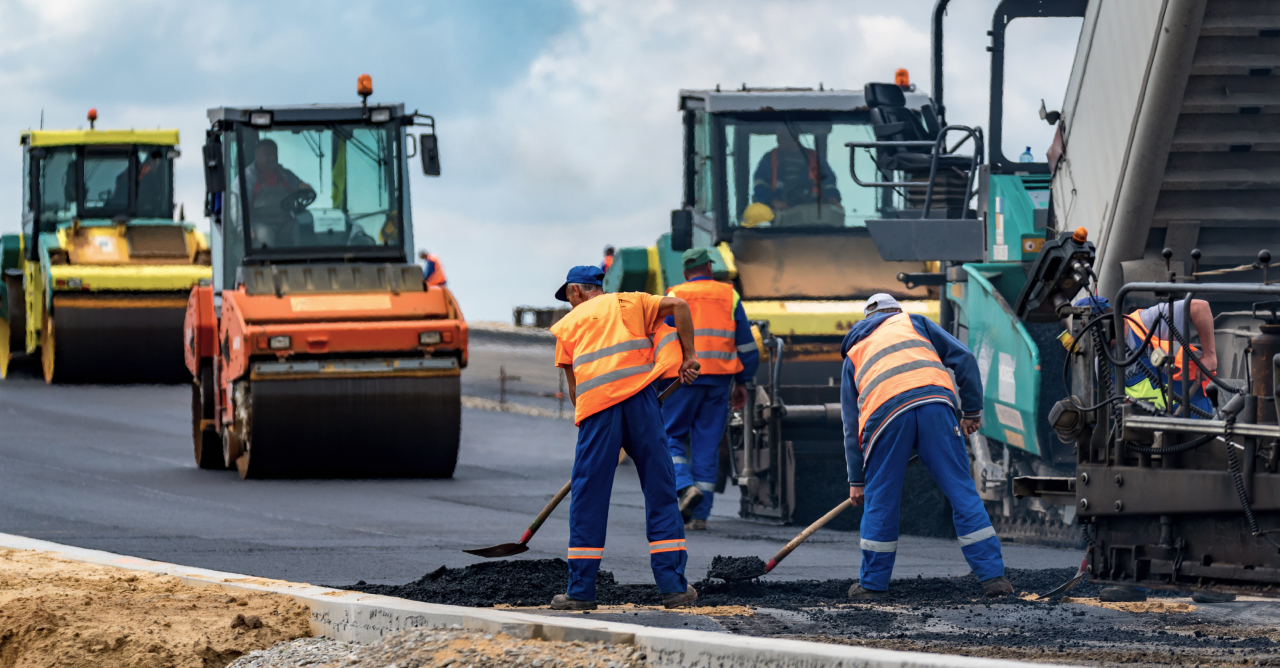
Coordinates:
[695,525]
[683,599]
[563,602]
[1122,595]
[690,497]
[856,593]
[1212,597]
[997,587]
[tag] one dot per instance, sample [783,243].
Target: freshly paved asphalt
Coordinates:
[111,468]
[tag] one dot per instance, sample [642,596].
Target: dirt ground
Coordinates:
[56,612]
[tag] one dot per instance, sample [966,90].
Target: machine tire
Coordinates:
[208,445]
[230,447]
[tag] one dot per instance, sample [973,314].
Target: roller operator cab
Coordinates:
[318,351]
[96,283]
[767,189]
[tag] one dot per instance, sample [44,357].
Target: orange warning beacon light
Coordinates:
[1081,235]
[364,87]
[902,78]
[93,117]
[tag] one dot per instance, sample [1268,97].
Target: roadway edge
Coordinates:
[366,618]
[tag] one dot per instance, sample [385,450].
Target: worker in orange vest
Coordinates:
[896,398]
[695,416]
[608,259]
[432,269]
[612,347]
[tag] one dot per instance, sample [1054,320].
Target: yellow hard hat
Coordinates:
[756,213]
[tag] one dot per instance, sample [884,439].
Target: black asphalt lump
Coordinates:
[736,568]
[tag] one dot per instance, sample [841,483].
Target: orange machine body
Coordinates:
[318,326]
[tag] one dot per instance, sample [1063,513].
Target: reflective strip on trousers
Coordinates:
[885,352]
[716,355]
[705,486]
[722,333]
[879,545]
[863,393]
[586,552]
[666,546]
[634,344]
[606,378]
[979,535]
[680,460]
[747,347]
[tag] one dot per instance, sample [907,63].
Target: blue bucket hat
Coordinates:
[1099,303]
[585,274]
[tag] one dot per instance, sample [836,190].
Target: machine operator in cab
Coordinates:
[612,347]
[697,414]
[792,175]
[896,396]
[272,191]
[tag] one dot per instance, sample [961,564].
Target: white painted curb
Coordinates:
[365,618]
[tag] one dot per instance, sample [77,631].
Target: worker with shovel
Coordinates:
[697,414]
[896,396]
[612,347]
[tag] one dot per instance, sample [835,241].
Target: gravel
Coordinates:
[451,648]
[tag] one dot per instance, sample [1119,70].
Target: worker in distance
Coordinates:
[695,416]
[896,397]
[612,347]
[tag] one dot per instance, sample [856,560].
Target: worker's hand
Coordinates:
[855,494]
[970,426]
[739,398]
[1210,361]
[689,371]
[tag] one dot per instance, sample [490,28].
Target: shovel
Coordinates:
[789,547]
[1066,586]
[512,549]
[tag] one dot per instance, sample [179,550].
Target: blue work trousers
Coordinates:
[635,425]
[696,414]
[932,431]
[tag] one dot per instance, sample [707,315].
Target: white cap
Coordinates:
[879,302]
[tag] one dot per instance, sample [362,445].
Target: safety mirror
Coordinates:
[681,230]
[430,154]
[215,180]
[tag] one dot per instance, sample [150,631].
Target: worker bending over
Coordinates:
[612,347]
[729,357]
[896,396]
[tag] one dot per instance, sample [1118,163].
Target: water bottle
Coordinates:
[1026,156]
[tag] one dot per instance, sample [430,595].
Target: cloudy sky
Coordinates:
[557,118]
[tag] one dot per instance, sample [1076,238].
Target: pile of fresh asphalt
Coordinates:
[947,615]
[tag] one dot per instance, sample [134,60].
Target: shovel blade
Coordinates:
[503,550]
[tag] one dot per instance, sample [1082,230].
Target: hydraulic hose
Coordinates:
[1237,476]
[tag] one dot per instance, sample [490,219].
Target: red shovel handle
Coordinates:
[804,535]
[546,512]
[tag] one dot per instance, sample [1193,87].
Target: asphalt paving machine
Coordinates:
[804,263]
[96,283]
[318,350]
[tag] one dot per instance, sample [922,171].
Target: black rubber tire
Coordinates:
[208,444]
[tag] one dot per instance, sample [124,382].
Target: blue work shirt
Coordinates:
[953,354]
[748,352]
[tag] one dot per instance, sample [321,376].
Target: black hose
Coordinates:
[1171,449]
[1182,340]
[1237,476]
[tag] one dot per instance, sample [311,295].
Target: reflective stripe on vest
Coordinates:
[714,331]
[610,361]
[894,359]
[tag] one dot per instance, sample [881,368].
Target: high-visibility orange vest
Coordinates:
[714,329]
[437,271]
[1137,329]
[613,359]
[894,359]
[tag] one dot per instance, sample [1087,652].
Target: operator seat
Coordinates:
[893,121]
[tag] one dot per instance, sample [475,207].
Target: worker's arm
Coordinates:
[852,441]
[572,383]
[748,353]
[678,309]
[956,356]
[1202,318]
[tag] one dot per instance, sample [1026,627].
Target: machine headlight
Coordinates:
[279,343]
[429,338]
[380,115]
[260,118]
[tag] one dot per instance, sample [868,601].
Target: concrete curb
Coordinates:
[365,618]
[510,335]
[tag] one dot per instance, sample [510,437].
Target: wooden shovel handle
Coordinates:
[546,512]
[804,535]
[675,382]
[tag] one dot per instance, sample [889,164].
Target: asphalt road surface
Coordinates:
[111,468]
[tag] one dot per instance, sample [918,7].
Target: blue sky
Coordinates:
[557,118]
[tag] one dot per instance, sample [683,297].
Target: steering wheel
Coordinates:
[298,200]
